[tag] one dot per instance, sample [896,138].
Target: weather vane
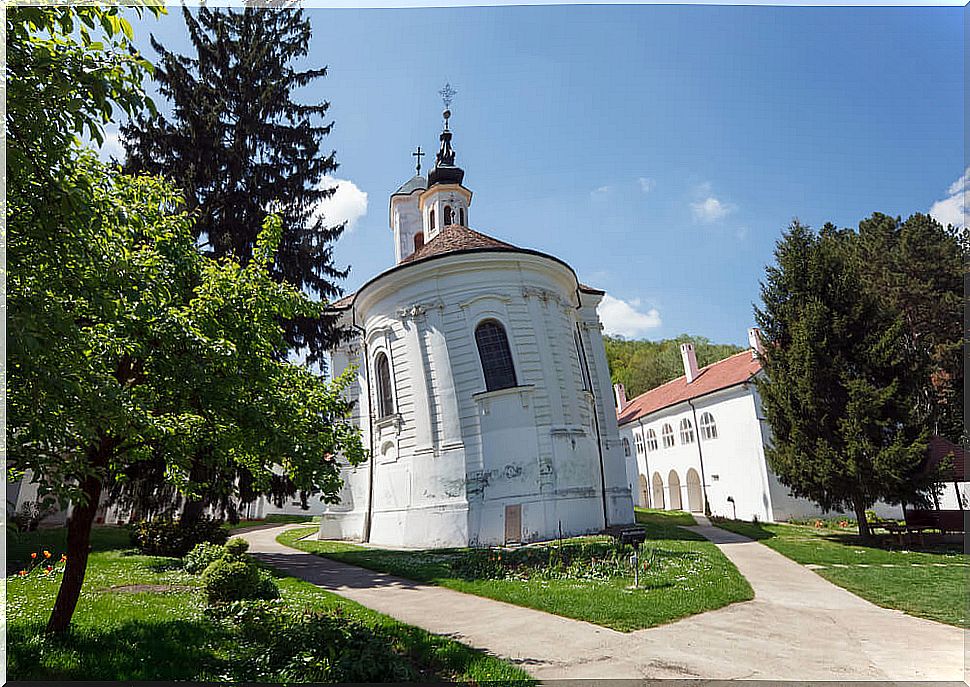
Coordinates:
[447,95]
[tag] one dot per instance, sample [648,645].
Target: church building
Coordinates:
[482,387]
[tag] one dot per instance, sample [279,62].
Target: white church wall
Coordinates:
[455,457]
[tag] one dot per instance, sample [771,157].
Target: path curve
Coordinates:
[798,627]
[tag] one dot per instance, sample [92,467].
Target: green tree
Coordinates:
[643,365]
[838,391]
[236,142]
[916,269]
[125,343]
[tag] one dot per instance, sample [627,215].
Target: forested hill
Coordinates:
[642,365]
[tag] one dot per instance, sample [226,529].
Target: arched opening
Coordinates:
[673,482]
[447,216]
[639,442]
[644,496]
[651,440]
[495,355]
[431,220]
[385,397]
[418,240]
[658,491]
[461,217]
[695,497]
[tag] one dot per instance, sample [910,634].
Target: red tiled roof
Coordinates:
[343,303]
[737,369]
[456,238]
[938,449]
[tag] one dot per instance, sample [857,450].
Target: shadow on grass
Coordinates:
[752,530]
[135,650]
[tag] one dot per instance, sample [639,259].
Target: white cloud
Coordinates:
[953,209]
[623,318]
[711,209]
[347,204]
[646,184]
[601,192]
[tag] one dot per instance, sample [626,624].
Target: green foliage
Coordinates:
[237,142]
[643,365]
[201,555]
[277,642]
[916,269]
[235,578]
[839,393]
[170,537]
[237,546]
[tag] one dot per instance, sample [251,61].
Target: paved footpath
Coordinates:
[798,626]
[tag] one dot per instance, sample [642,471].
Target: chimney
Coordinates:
[754,341]
[619,391]
[690,361]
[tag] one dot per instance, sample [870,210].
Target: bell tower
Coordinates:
[445,201]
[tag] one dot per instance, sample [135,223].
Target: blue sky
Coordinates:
[659,150]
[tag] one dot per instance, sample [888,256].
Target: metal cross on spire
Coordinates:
[418,155]
[447,95]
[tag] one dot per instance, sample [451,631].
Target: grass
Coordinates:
[664,517]
[165,635]
[917,584]
[276,519]
[690,575]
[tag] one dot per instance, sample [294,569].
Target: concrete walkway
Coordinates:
[798,627]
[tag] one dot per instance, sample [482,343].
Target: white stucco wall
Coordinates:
[454,456]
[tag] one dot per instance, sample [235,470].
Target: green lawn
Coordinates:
[664,517]
[165,635]
[929,583]
[688,575]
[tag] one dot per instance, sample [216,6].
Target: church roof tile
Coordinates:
[455,238]
[737,369]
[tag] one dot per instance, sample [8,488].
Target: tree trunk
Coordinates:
[860,515]
[79,541]
[193,509]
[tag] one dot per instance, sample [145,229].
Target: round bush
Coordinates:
[201,555]
[237,546]
[236,579]
[168,537]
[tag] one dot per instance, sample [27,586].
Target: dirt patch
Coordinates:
[153,588]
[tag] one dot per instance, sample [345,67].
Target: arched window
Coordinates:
[385,397]
[431,220]
[639,442]
[686,431]
[651,440]
[708,426]
[667,434]
[461,217]
[496,357]
[626,447]
[447,216]
[418,240]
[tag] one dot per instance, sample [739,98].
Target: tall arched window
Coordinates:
[667,434]
[686,431]
[651,440]
[461,217]
[626,447]
[385,397]
[639,442]
[447,216]
[708,426]
[418,240]
[496,357]
[431,220]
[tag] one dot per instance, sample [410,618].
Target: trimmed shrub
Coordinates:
[167,537]
[201,555]
[234,577]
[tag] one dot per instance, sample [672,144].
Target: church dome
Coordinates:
[415,183]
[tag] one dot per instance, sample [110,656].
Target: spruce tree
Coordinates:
[839,391]
[238,144]
[916,269]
